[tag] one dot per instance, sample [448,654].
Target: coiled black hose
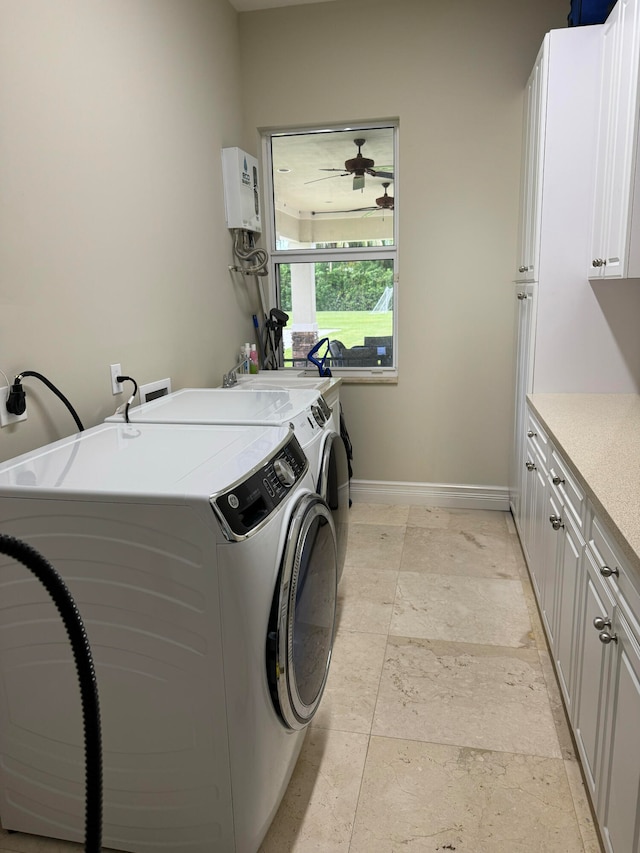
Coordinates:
[63,600]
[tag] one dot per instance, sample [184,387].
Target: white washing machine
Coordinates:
[204,566]
[305,410]
[327,385]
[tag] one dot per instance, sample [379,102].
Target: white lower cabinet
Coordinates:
[589,601]
[619,798]
[569,566]
[595,608]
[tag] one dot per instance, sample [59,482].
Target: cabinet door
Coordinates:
[619,799]
[606,124]
[617,139]
[549,551]
[571,549]
[594,603]
[526,509]
[522,379]
[531,177]
[538,527]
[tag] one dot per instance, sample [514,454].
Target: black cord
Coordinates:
[130,400]
[63,600]
[17,403]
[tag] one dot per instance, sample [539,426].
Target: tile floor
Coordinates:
[441,727]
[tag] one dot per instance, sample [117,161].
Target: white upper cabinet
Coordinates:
[531,175]
[615,242]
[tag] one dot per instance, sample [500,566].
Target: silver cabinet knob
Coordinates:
[522,295]
[606,637]
[522,269]
[597,262]
[606,572]
[556,522]
[532,434]
[601,622]
[530,466]
[557,481]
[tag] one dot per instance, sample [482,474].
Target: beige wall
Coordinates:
[113,246]
[453,73]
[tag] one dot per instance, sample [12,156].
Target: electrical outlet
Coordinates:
[116,387]
[6,417]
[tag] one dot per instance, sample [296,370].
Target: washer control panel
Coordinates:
[247,504]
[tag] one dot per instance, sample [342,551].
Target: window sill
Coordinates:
[389,377]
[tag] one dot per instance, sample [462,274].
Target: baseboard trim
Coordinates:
[454,496]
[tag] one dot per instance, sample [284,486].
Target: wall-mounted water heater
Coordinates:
[241,191]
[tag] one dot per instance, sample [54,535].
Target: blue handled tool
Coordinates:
[320,364]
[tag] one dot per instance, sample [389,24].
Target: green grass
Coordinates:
[350,327]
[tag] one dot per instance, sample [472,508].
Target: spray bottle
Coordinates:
[253,364]
[245,357]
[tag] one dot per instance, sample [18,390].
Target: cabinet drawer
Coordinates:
[537,440]
[621,580]
[567,489]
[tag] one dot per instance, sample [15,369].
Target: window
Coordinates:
[334,243]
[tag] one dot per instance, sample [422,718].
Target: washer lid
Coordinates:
[143,460]
[225,406]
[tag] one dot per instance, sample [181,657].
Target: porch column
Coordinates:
[304,331]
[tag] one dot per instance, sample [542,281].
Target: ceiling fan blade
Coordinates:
[353,210]
[334,170]
[326,178]
[358,182]
[377,174]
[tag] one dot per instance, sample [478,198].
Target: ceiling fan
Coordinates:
[357,166]
[385,202]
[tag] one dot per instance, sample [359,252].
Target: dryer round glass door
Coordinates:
[333,487]
[303,614]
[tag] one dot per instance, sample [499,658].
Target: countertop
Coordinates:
[599,436]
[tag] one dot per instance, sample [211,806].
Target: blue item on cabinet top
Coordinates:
[585,12]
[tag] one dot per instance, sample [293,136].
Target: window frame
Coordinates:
[311,255]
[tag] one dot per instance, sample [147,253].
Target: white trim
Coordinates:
[452,495]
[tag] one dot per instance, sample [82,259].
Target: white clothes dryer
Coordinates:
[204,566]
[304,410]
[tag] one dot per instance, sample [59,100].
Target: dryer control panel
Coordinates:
[243,508]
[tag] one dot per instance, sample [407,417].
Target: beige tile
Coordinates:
[521,563]
[537,631]
[557,706]
[19,843]
[350,694]
[463,609]
[362,513]
[481,553]
[365,599]
[584,815]
[420,797]
[23,843]
[458,519]
[318,808]
[375,546]
[477,696]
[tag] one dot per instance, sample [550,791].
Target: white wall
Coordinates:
[113,246]
[454,74]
